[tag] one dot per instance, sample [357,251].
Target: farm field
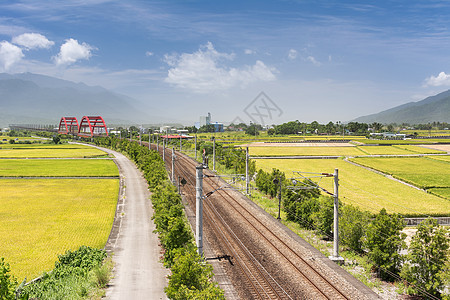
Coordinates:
[304,151]
[364,188]
[418,149]
[58,167]
[420,171]
[43,146]
[57,152]
[443,158]
[41,218]
[385,150]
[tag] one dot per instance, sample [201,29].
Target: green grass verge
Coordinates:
[58,167]
[363,188]
[41,218]
[441,192]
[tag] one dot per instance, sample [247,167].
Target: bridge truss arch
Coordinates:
[91,126]
[68,125]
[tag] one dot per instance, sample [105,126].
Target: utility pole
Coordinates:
[140,138]
[164,151]
[195,147]
[247,177]
[173,165]
[149,140]
[335,257]
[214,154]
[181,145]
[199,210]
[279,199]
[157,143]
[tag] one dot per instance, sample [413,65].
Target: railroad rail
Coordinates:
[268,263]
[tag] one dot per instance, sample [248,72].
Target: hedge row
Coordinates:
[191,276]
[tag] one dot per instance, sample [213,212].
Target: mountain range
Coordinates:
[32,98]
[433,108]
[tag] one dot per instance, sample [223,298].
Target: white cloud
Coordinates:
[249,51]
[32,41]
[148,53]
[314,61]
[203,71]
[292,54]
[9,55]
[71,51]
[441,79]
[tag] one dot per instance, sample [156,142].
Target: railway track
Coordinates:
[280,272]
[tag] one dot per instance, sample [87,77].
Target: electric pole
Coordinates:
[214,154]
[195,147]
[199,210]
[335,257]
[247,177]
[173,165]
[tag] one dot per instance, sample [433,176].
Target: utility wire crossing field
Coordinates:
[364,188]
[41,218]
[58,168]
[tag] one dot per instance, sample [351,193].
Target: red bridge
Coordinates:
[90,126]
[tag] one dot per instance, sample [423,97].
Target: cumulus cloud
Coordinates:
[203,71]
[249,51]
[148,53]
[72,51]
[9,55]
[441,79]
[32,41]
[292,54]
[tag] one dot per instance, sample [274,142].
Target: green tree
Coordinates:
[352,227]
[7,281]
[427,256]
[324,217]
[252,130]
[190,278]
[385,241]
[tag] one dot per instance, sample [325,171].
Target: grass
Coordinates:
[51,153]
[364,188]
[304,151]
[41,218]
[58,167]
[420,171]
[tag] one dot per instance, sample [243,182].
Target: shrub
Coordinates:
[427,256]
[7,281]
[384,241]
[352,227]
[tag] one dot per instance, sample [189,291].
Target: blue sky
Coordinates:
[316,60]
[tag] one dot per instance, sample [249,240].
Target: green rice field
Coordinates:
[421,171]
[304,151]
[58,167]
[364,188]
[41,218]
[57,152]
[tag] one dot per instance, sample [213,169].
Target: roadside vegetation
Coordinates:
[191,277]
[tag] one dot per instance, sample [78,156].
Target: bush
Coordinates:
[427,256]
[191,278]
[384,242]
[352,227]
[7,281]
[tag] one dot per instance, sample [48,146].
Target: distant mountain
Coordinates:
[434,108]
[32,98]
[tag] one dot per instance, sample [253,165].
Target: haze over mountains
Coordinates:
[32,98]
[433,108]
